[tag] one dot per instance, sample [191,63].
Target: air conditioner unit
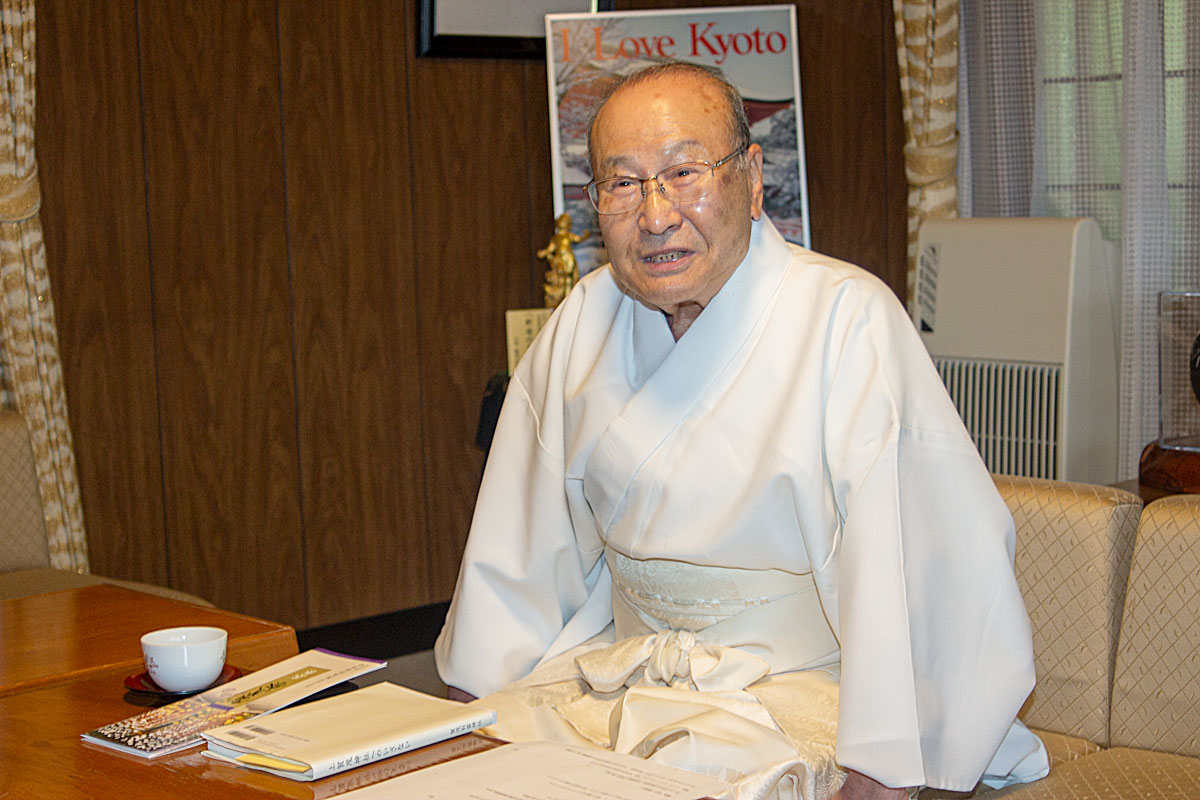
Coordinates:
[1021,317]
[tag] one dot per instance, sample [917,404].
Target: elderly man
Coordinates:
[730,520]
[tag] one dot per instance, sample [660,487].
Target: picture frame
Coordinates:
[478,37]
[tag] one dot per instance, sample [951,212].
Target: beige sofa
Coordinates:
[1113,593]
[24,554]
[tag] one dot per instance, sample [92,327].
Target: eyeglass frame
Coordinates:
[712,168]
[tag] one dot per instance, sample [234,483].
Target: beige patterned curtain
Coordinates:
[30,371]
[927,51]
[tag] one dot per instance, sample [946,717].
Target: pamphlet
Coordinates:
[179,725]
[521,325]
[548,771]
[345,731]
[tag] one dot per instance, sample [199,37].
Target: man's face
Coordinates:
[662,254]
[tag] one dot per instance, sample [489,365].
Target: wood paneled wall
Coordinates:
[281,247]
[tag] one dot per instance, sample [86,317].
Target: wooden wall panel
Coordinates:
[845,49]
[472,154]
[895,204]
[540,197]
[89,141]
[217,247]
[344,77]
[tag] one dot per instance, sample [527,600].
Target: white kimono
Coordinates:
[780,520]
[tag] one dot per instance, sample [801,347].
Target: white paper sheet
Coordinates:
[547,771]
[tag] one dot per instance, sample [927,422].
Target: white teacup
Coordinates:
[184,659]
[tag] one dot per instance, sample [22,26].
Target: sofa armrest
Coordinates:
[1156,696]
[1074,546]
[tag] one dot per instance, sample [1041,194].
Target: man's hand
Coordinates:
[860,787]
[454,693]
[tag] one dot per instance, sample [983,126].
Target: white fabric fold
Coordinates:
[670,658]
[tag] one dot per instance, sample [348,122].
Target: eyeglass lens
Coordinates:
[680,184]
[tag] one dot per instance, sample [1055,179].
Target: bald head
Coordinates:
[733,110]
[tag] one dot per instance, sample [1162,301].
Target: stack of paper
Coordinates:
[345,731]
[548,771]
[179,725]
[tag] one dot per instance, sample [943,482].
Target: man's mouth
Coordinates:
[665,258]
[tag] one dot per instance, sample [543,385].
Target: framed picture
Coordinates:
[496,29]
[755,48]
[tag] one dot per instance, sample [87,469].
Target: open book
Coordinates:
[345,731]
[179,725]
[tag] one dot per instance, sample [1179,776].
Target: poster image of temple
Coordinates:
[755,48]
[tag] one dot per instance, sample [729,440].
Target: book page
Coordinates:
[547,771]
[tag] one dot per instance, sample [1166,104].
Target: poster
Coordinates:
[754,46]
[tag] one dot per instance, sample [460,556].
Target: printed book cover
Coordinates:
[180,724]
[343,732]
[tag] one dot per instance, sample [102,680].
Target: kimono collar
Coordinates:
[671,377]
[652,340]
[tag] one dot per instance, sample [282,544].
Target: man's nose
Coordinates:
[657,214]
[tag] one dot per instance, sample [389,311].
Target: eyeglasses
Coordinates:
[682,183]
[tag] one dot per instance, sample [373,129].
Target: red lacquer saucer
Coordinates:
[140,682]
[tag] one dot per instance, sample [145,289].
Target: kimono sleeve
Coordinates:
[936,645]
[523,577]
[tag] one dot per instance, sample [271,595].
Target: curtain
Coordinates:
[1092,108]
[927,55]
[997,87]
[30,372]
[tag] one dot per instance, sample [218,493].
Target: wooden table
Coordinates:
[65,636]
[63,660]
[42,756]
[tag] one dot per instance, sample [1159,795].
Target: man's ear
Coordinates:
[754,162]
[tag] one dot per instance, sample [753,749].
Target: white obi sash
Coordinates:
[690,679]
[707,628]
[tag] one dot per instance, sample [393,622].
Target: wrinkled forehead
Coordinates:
[673,112]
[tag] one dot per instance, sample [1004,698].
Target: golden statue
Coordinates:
[563,272]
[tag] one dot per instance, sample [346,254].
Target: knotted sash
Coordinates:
[670,658]
[708,628]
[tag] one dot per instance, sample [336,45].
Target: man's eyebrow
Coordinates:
[614,163]
[619,162]
[623,162]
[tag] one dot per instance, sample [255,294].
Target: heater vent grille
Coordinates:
[1011,411]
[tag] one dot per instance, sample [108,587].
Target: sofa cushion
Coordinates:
[1116,774]
[1062,748]
[1074,545]
[1156,695]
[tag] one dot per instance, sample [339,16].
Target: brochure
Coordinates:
[180,724]
[350,730]
[548,771]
